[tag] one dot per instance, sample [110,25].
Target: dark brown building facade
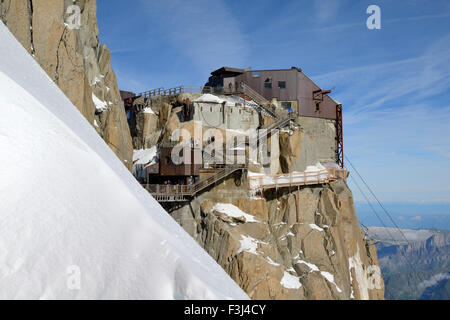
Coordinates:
[291,87]
[169,169]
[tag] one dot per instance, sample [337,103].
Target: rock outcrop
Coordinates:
[303,243]
[75,61]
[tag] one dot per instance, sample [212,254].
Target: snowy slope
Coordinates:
[74,224]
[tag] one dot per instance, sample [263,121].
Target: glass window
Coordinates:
[282,84]
[255,74]
[286,105]
[268,83]
[317,106]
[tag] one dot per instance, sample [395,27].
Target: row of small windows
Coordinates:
[220,110]
[268,84]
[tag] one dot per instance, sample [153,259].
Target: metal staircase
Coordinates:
[165,193]
[259,99]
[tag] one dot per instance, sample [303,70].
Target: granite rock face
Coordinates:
[75,60]
[303,243]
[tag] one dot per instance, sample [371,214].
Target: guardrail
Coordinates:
[296,179]
[163,189]
[159,190]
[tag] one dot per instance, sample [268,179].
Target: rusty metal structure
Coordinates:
[339,137]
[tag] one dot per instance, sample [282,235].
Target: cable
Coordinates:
[415,272]
[403,255]
[376,198]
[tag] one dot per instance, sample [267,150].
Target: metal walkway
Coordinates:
[264,182]
[182,193]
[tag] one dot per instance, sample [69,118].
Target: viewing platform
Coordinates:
[263,182]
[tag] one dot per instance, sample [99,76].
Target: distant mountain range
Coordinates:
[407,215]
[415,263]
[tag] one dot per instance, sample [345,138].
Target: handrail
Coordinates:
[254,95]
[247,90]
[191,190]
[268,181]
[162,92]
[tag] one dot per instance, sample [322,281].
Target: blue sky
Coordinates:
[394,83]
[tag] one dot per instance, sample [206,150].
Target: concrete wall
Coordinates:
[319,142]
[228,117]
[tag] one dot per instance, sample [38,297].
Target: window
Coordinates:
[286,105]
[317,106]
[282,84]
[255,74]
[268,83]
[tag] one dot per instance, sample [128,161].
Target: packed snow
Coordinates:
[311,266]
[270,261]
[311,174]
[248,244]
[75,224]
[330,279]
[290,282]
[315,227]
[233,211]
[145,156]
[100,105]
[148,110]
[210,98]
[228,100]
[317,167]
[367,278]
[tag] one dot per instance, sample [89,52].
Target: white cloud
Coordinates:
[396,120]
[412,79]
[417,218]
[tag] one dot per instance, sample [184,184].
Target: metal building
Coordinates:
[291,87]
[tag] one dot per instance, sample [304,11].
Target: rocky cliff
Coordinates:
[303,243]
[75,60]
[288,244]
